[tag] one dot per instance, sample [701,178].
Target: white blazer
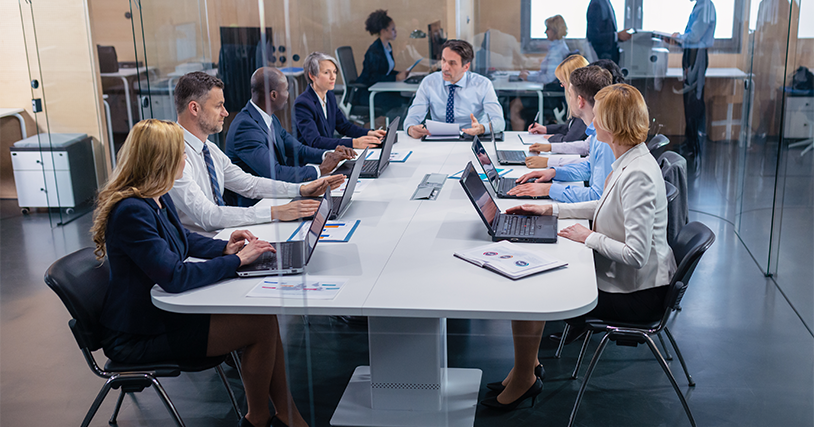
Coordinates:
[630,224]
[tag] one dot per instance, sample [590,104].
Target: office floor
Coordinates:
[746,346]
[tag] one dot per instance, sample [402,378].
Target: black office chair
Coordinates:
[81,283]
[347,68]
[657,145]
[691,243]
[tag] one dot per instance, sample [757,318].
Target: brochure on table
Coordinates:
[530,138]
[334,231]
[299,287]
[509,259]
[395,157]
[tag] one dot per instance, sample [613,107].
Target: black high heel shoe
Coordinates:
[539,372]
[532,392]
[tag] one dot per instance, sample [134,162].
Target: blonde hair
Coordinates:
[563,73]
[147,165]
[557,23]
[620,110]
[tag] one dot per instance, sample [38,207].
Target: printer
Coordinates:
[645,55]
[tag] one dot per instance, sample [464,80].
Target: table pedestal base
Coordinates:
[459,402]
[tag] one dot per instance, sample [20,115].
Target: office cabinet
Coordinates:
[799,117]
[55,171]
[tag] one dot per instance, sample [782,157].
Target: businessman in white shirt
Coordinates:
[198,195]
[455,95]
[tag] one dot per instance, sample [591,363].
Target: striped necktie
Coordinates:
[451,104]
[213,177]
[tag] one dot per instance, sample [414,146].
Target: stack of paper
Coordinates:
[509,259]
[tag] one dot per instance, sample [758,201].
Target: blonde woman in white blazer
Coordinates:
[629,236]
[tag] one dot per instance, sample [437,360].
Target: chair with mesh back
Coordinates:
[347,68]
[692,242]
[81,283]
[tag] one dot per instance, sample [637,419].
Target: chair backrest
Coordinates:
[691,243]
[656,144]
[347,68]
[81,283]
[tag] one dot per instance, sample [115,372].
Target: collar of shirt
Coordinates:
[266,117]
[321,101]
[192,140]
[460,83]
[628,156]
[591,130]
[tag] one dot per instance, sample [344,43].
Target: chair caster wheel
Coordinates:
[25,211]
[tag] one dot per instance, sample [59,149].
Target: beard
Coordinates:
[209,126]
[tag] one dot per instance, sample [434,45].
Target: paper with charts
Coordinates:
[334,231]
[395,156]
[509,259]
[299,287]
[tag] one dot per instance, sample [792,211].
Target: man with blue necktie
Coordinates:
[455,95]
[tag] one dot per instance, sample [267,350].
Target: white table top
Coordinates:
[731,73]
[128,72]
[5,112]
[399,261]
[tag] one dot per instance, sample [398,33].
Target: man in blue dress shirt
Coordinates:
[699,35]
[455,95]
[585,83]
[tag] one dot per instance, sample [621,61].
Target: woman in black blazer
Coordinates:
[136,227]
[317,115]
[379,64]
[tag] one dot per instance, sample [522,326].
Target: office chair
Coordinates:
[347,67]
[81,283]
[656,145]
[690,244]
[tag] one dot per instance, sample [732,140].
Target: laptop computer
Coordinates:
[507,157]
[500,184]
[516,228]
[340,203]
[291,257]
[374,168]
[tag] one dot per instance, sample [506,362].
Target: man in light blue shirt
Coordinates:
[698,37]
[585,83]
[455,95]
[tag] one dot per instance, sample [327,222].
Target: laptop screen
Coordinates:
[485,162]
[352,179]
[320,218]
[486,206]
[389,140]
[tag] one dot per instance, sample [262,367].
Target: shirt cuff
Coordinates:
[555,192]
[555,209]
[295,190]
[319,172]
[592,241]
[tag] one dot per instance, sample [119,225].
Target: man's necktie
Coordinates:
[451,104]
[213,177]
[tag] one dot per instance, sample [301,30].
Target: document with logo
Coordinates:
[509,259]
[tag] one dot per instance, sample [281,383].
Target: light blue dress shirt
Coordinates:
[388,52]
[557,51]
[700,30]
[475,95]
[595,170]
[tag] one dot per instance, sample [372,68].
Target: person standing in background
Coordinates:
[602,33]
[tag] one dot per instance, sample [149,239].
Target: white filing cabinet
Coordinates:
[55,171]
[799,117]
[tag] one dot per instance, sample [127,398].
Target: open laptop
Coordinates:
[291,257]
[374,168]
[507,157]
[500,184]
[340,203]
[516,228]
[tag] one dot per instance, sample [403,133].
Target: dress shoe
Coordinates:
[539,372]
[574,333]
[532,392]
[276,422]
[245,423]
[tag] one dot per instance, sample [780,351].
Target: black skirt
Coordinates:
[186,337]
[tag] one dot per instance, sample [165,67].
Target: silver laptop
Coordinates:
[291,257]
[341,203]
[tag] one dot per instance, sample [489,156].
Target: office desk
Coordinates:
[403,275]
[17,113]
[501,84]
[125,74]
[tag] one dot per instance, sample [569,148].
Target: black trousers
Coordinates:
[695,111]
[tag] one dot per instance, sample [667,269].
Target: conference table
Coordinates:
[402,274]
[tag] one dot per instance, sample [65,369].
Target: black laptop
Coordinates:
[500,184]
[291,257]
[516,228]
[507,157]
[341,203]
[374,168]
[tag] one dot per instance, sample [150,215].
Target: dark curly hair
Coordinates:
[377,21]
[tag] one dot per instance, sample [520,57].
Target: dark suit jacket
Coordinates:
[374,69]
[317,131]
[247,145]
[141,254]
[574,130]
[602,30]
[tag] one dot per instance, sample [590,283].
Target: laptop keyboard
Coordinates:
[518,156]
[519,226]
[268,260]
[370,166]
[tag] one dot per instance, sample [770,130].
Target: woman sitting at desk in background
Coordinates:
[379,65]
[575,140]
[522,109]
[632,260]
[317,115]
[136,226]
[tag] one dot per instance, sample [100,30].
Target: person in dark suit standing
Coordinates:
[379,65]
[602,32]
[256,129]
[317,115]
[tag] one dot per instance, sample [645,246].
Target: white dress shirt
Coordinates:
[630,224]
[193,196]
[475,95]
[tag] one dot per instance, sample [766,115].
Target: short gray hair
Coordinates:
[312,61]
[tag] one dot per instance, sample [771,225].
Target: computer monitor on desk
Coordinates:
[435,34]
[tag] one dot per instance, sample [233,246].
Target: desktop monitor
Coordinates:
[237,61]
[483,56]
[435,34]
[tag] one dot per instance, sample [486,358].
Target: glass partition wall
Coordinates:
[750,166]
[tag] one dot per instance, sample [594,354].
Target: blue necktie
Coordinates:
[213,177]
[451,104]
